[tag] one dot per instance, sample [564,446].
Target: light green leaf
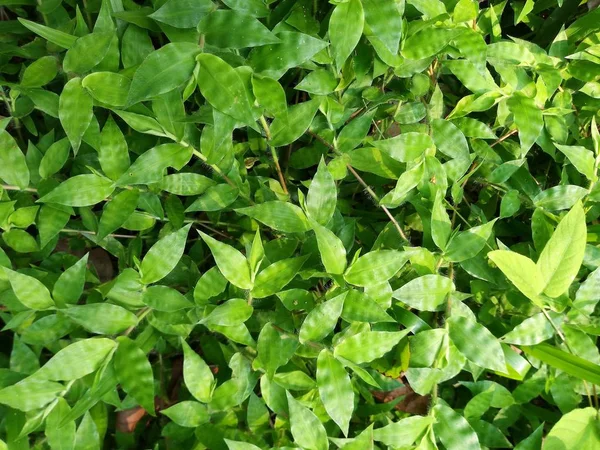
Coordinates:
[13,166]
[531,331]
[426,293]
[453,429]
[521,271]
[345,29]
[368,345]
[197,376]
[151,165]
[427,42]
[276,276]
[380,265]
[55,158]
[275,349]
[232,264]
[449,139]
[322,320]
[441,226]
[231,313]
[163,256]
[383,20]
[307,429]
[87,436]
[477,343]
[57,37]
[40,72]
[117,211]
[232,29]
[187,414]
[405,147]
[81,190]
[30,394]
[186,183]
[528,118]
[134,373]
[322,195]
[282,216]
[182,13]
[335,389]
[87,52]
[107,87]
[29,291]
[469,243]
[331,249]
[285,130]
[163,298]
[75,111]
[403,432]
[559,197]
[101,318]
[576,430]
[563,254]
[580,157]
[69,286]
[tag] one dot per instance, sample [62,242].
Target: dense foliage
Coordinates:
[254,224]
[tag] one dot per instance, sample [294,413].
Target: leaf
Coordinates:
[232,264]
[383,19]
[405,147]
[426,293]
[368,345]
[469,243]
[345,29]
[87,436]
[57,37]
[30,291]
[294,49]
[427,42]
[565,362]
[75,111]
[87,52]
[151,165]
[306,428]
[30,394]
[441,226]
[60,437]
[69,286]
[40,72]
[134,373]
[81,190]
[322,319]
[233,29]
[559,197]
[278,215]
[101,318]
[236,445]
[182,13]
[531,331]
[276,276]
[477,343]
[187,414]
[575,430]
[162,71]
[55,158]
[107,87]
[186,184]
[562,256]
[322,195]
[453,430]
[76,360]
[275,349]
[223,88]
[13,166]
[163,256]
[580,157]
[163,298]
[380,265]
[285,130]
[197,376]
[231,313]
[528,118]
[335,389]
[215,198]
[449,139]
[331,249]
[270,95]
[403,432]
[521,271]
[117,211]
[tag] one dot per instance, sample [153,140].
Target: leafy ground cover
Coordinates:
[248,224]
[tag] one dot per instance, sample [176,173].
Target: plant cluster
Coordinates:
[256,224]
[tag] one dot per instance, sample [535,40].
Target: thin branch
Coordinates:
[123,236]
[10,187]
[273,150]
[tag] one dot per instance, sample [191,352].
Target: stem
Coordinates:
[123,236]
[10,187]
[273,150]
[141,314]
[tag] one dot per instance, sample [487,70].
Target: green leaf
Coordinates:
[335,389]
[276,276]
[223,88]
[562,256]
[163,256]
[77,360]
[528,118]
[87,436]
[383,19]
[322,320]
[403,432]
[197,376]
[576,430]
[565,362]
[40,72]
[57,37]
[270,95]
[345,29]
[285,130]
[30,291]
[232,264]
[231,313]
[186,184]
[380,265]
[306,428]
[275,349]
[531,331]
[453,430]
[427,42]
[449,139]
[69,286]
[441,227]
[236,445]
[117,211]
[580,157]
[30,394]
[368,345]
[278,215]
[75,111]
[232,29]
[162,71]
[87,52]
[101,318]
[406,147]
[81,190]
[294,49]
[163,298]
[521,271]
[13,166]
[62,438]
[107,87]
[151,165]
[187,414]
[215,198]
[113,153]
[55,158]
[559,197]
[426,293]
[469,243]
[182,13]
[331,249]
[134,373]
[477,343]
[322,195]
